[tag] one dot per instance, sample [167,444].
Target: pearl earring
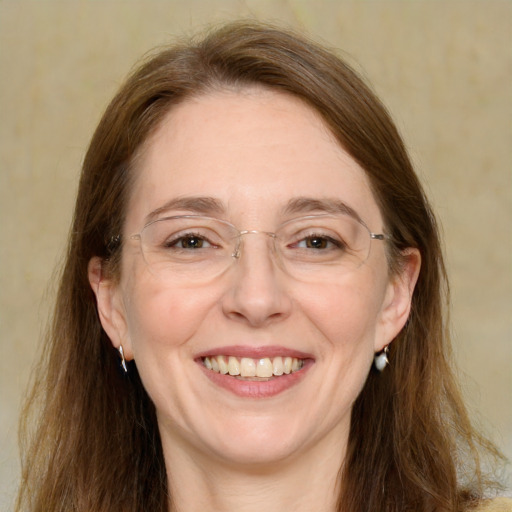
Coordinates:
[381,359]
[123,360]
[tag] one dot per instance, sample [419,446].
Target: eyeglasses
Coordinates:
[193,248]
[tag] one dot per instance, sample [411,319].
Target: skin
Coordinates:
[253,151]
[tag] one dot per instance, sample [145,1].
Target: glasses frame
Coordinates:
[238,252]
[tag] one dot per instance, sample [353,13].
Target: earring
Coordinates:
[123,360]
[381,359]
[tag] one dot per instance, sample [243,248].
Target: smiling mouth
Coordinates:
[247,368]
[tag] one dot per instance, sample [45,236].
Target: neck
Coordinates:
[308,482]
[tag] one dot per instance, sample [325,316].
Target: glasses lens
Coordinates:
[188,247]
[323,246]
[195,249]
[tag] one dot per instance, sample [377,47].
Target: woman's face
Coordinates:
[252,154]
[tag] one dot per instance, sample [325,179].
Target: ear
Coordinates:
[110,306]
[398,299]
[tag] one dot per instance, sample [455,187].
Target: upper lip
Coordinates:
[255,352]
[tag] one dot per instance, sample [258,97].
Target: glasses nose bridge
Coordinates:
[237,252]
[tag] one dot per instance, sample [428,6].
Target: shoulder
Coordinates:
[496,505]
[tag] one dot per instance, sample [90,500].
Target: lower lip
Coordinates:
[257,389]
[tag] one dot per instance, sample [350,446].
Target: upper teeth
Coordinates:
[248,367]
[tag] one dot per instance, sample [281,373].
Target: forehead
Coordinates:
[253,150]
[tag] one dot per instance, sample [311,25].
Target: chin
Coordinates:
[254,448]
[239,440]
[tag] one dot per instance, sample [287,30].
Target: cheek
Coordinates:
[162,328]
[161,318]
[346,313]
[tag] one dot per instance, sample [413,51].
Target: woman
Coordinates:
[251,310]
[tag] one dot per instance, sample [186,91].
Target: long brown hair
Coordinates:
[96,445]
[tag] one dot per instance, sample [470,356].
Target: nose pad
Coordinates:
[237,251]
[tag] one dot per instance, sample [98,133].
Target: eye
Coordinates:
[315,242]
[319,242]
[188,241]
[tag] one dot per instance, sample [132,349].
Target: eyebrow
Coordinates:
[205,205]
[302,205]
[195,204]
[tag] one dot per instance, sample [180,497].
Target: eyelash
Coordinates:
[338,244]
[175,240]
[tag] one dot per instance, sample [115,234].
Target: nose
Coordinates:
[257,294]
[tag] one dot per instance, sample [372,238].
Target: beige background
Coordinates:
[444,68]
